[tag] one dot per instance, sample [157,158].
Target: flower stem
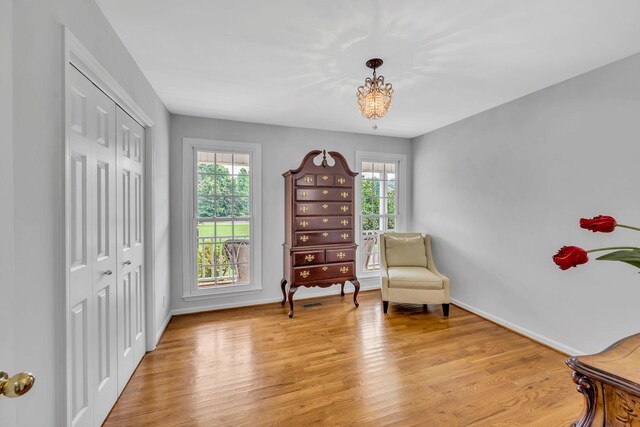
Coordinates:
[613,248]
[628,226]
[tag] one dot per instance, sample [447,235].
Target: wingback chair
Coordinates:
[408,272]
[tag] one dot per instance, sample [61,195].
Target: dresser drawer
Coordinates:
[326,208]
[338,255]
[343,181]
[306,181]
[324,180]
[323,223]
[313,238]
[335,272]
[311,257]
[324,194]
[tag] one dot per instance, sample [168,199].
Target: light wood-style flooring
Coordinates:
[337,365]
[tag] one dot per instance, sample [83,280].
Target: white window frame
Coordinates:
[190,147]
[401,190]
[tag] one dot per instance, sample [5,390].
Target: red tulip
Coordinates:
[601,223]
[570,256]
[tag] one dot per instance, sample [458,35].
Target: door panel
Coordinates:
[130,249]
[92,250]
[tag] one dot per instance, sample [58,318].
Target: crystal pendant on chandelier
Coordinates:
[374,97]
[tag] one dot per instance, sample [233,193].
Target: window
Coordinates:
[223,222]
[379,204]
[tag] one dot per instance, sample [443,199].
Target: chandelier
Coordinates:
[374,97]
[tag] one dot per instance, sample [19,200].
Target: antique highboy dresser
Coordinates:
[319,246]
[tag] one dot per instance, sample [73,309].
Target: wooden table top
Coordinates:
[618,365]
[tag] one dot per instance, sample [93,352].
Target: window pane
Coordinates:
[224,185]
[206,207]
[375,205]
[241,206]
[391,205]
[391,225]
[241,187]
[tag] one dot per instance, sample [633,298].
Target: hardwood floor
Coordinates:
[337,365]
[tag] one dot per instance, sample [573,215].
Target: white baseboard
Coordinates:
[163,327]
[526,332]
[366,284]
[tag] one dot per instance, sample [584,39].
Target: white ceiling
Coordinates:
[299,62]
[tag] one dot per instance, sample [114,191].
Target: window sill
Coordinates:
[222,292]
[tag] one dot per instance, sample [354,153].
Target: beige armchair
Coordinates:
[408,272]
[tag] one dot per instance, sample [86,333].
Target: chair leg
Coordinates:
[445,310]
[424,307]
[385,306]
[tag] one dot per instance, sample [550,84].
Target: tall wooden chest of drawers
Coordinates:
[319,245]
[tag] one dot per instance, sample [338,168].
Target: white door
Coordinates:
[131,335]
[91,125]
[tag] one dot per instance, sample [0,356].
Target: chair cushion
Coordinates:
[413,278]
[405,251]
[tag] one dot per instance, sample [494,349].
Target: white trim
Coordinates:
[365,285]
[163,327]
[401,208]
[517,328]
[87,64]
[75,53]
[190,290]
[149,239]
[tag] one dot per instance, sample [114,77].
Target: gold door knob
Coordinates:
[17,385]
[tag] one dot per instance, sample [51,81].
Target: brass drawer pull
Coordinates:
[304,194]
[345,236]
[344,195]
[344,270]
[308,179]
[304,237]
[344,208]
[304,209]
[325,268]
[341,180]
[344,222]
[304,274]
[341,255]
[309,258]
[303,224]
[325,234]
[325,177]
[325,220]
[325,192]
[325,206]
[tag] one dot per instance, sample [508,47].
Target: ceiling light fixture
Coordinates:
[374,97]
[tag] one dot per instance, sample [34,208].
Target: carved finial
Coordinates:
[324,159]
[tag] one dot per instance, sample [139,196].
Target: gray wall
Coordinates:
[37,177]
[503,190]
[282,149]
[7,313]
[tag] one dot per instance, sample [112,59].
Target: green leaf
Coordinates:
[629,256]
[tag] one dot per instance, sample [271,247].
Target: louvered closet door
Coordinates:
[92,245]
[131,336]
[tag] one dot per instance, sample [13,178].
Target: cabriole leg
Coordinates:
[356,284]
[283,285]
[292,290]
